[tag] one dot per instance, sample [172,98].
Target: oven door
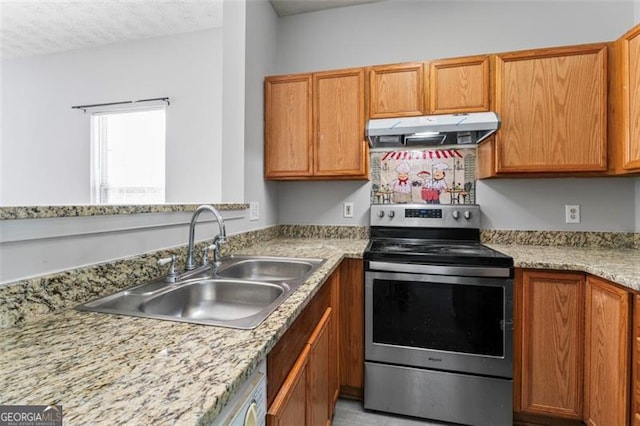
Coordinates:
[448,323]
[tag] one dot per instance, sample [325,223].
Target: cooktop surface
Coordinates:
[435,252]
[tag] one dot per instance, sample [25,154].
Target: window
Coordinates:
[128,159]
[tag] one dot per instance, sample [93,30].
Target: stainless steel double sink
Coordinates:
[240,293]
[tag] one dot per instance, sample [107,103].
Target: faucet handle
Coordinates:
[171,275]
[205,255]
[216,253]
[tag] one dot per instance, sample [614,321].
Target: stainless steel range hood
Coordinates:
[430,130]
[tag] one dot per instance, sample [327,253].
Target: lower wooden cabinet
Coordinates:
[635,354]
[306,396]
[607,363]
[572,345]
[351,328]
[289,406]
[319,399]
[334,340]
[302,368]
[551,323]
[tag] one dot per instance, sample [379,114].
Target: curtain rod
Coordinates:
[84,107]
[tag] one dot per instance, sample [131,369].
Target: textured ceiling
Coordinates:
[31,27]
[39,27]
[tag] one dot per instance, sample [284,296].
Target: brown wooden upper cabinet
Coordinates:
[288,150]
[396,90]
[624,103]
[339,119]
[459,85]
[553,107]
[444,86]
[314,126]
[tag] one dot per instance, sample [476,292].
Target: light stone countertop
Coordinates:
[621,266]
[41,212]
[109,369]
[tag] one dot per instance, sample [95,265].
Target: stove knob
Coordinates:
[381,214]
[391,213]
[456,214]
[467,214]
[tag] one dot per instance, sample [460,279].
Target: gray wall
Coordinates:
[321,202]
[605,204]
[233,99]
[637,204]
[403,30]
[260,60]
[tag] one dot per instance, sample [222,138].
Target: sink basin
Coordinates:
[266,269]
[240,293]
[218,300]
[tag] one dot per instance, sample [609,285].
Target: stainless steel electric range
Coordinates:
[438,316]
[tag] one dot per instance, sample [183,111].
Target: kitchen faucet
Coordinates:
[219,239]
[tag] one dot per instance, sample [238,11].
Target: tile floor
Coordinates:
[351,413]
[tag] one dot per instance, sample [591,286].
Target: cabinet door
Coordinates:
[351,325]
[632,148]
[624,103]
[635,378]
[339,143]
[289,406]
[553,104]
[551,331]
[284,355]
[459,85]
[288,150]
[319,401]
[396,90]
[606,391]
[334,341]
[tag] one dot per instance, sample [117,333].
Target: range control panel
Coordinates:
[420,215]
[424,213]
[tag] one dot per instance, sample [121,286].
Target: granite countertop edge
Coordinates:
[58,211]
[621,266]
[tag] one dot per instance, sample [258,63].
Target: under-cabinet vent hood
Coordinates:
[430,130]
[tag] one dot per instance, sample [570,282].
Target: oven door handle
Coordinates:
[451,270]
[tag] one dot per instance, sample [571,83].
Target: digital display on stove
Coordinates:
[424,213]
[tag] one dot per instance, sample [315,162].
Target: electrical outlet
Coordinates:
[572,213]
[254,210]
[347,209]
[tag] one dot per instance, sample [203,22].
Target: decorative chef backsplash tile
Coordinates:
[429,176]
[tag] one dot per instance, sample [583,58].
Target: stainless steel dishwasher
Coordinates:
[249,406]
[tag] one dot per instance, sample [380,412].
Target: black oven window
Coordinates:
[447,317]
